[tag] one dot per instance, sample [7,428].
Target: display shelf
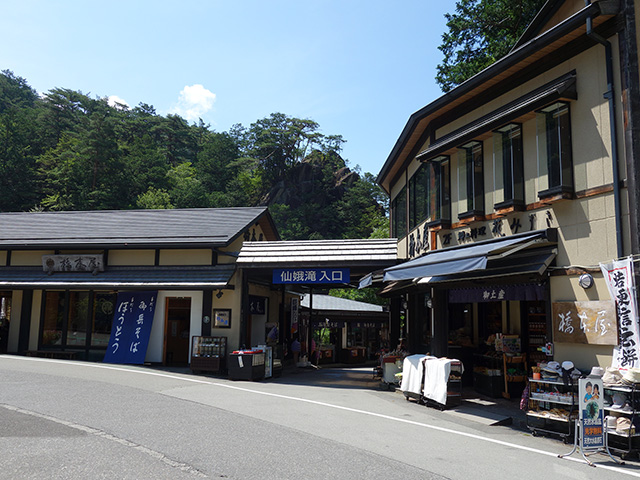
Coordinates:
[511,362]
[544,397]
[550,382]
[624,443]
[208,354]
[548,417]
[559,402]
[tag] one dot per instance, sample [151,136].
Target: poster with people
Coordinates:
[590,394]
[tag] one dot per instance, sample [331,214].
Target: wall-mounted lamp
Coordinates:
[586,280]
[219,294]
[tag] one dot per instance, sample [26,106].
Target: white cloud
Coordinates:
[114,100]
[194,102]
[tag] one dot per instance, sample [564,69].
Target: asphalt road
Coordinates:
[71,420]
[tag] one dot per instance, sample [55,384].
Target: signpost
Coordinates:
[590,433]
[310,276]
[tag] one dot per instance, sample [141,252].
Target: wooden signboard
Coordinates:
[585,322]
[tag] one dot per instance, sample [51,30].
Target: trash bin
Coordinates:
[246,365]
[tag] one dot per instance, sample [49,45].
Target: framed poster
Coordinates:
[222,318]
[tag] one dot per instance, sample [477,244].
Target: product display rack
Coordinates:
[488,374]
[553,407]
[454,384]
[519,362]
[537,333]
[623,443]
[208,354]
[454,387]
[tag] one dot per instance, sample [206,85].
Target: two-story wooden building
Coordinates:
[509,190]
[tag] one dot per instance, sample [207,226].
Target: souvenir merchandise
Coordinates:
[631,376]
[611,422]
[611,377]
[619,400]
[596,372]
[624,426]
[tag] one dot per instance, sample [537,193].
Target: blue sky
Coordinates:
[358,68]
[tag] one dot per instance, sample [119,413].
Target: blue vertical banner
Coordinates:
[131,327]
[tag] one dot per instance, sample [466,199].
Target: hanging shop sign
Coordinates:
[497,293]
[257,305]
[73,263]
[621,284]
[365,324]
[327,324]
[590,392]
[585,322]
[295,314]
[311,276]
[131,328]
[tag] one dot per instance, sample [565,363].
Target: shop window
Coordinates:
[102,316]
[508,167]
[399,214]
[438,192]
[52,321]
[77,319]
[555,166]
[471,180]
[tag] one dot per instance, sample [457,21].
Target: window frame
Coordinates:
[64,320]
[508,145]
[473,179]
[555,158]
[398,221]
[439,202]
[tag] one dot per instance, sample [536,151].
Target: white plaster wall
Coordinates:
[156,340]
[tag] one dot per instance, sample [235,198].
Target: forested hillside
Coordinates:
[64,150]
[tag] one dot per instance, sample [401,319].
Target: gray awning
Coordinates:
[468,258]
[121,278]
[561,88]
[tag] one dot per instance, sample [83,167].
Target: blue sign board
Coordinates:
[131,327]
[311,276]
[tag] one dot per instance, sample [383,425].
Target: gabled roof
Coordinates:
[526,61]
[197,227]
[321,253]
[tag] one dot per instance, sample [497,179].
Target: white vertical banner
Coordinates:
[621,283]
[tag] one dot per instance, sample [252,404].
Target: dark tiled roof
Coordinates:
[120,277]
[133,228]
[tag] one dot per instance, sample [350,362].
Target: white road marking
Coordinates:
[328,405]
[107,436]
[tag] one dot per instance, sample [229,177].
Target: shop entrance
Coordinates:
[176,331]
[5,318]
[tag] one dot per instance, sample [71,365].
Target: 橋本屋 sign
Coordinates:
[311,276]
[131,327]
[592,322]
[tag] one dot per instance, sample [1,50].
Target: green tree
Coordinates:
[479,33]
[186,189]
[366,295]
[154,198]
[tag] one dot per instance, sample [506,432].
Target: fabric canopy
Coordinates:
[454,260]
